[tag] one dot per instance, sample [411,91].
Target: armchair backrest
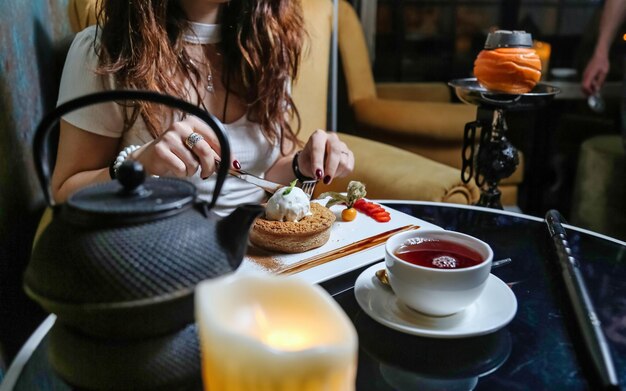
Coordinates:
[310,90]
[353,50]
[82,13]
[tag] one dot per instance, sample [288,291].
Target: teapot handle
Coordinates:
[42,134]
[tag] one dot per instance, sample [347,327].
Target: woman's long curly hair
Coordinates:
[141,44]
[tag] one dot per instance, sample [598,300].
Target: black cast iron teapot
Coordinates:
[121,259]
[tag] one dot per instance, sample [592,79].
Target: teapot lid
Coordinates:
[130,199]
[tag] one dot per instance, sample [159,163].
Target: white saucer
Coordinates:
[494,309]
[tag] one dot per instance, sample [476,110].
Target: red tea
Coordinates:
[438,254]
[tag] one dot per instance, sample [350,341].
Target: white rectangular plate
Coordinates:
[342,233]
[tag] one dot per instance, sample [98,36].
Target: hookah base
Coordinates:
[490,198]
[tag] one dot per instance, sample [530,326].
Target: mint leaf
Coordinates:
[291,186]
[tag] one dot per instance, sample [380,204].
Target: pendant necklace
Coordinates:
[205,34]
[210,87]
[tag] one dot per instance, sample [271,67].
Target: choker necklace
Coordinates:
[203,33]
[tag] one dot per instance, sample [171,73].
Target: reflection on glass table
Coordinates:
[538,350]
[544,350]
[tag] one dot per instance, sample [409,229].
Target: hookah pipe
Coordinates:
[496,157]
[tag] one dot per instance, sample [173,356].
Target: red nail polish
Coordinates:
[327,179]
[236,164]
[318,173]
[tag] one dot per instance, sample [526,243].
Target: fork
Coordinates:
[308,187]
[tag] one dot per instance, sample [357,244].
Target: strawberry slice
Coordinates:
[359,203]
[380,215]
[382,219]
[373,210]
[376,209]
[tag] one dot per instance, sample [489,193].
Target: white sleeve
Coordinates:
[80,78]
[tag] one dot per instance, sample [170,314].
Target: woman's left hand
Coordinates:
[325,157]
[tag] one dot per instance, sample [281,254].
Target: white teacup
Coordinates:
[434,291]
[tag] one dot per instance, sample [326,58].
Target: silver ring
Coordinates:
[193,139]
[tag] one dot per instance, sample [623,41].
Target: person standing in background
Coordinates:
[594,76]
[600,190]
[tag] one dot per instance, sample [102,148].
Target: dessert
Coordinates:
[508,63]
[291,223]
[288,204]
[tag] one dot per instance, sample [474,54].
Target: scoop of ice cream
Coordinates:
[292,206]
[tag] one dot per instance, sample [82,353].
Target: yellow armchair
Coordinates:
[388,172]
[418,117]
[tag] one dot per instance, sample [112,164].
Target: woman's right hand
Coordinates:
[168,155]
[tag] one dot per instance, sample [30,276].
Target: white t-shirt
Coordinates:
[248,144]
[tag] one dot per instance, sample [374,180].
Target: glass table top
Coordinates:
[535,351]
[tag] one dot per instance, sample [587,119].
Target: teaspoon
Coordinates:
[596,103]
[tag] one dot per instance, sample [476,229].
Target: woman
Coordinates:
[236,59]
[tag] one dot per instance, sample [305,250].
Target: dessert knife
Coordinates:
[268,186]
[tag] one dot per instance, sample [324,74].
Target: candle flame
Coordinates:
[287,340]
[282,338]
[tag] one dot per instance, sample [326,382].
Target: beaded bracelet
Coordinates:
[123,155]
[296,169]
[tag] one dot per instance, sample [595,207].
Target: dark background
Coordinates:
[416,41]
[438,40]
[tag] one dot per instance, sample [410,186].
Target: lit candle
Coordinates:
[274,333]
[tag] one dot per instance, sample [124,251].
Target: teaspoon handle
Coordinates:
[501,262]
